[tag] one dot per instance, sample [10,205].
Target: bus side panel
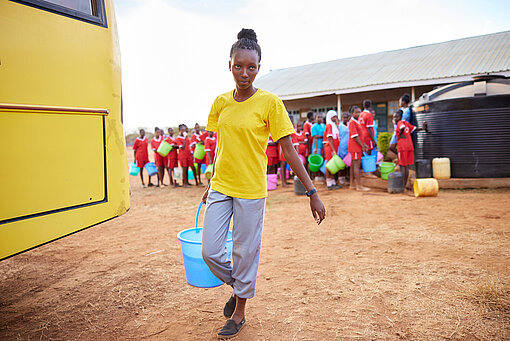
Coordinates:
[53,160]
[56,61]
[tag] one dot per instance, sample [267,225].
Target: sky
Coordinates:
[175,53]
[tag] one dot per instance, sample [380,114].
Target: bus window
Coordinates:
[84,6]
[91,11]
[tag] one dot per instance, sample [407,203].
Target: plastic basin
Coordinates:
[199,152]
[315,162]
[386,168]
[164,148]
[335,164]
[133,169]
[368,162]
[347,160]
[197,272]
[151,168]
[208,172]
[323,168]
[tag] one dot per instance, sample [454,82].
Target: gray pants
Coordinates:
[246,234]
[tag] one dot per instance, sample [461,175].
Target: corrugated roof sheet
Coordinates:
[463,57]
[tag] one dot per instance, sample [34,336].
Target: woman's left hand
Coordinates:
[318,210]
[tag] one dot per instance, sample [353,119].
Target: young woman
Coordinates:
[243,119]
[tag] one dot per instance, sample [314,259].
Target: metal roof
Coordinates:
[445,62]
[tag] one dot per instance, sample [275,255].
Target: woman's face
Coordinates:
[335,119]
[245,67]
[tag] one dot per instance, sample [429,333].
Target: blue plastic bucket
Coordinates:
[151,168]
[197,271]
[368,162]
[323,167]
[203,168]
[133,169]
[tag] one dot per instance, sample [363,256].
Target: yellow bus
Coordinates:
[63,156]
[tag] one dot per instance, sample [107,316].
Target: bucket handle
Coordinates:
[198,213]
[373,150]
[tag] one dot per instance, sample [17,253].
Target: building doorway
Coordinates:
[381,116]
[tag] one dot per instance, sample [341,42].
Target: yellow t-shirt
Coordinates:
[243,130]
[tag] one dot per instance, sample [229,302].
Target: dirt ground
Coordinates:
[380,267]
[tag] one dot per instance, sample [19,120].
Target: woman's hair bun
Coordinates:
[247,33]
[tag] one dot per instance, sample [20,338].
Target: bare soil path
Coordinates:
[380,267]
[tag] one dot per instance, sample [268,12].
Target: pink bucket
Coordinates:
[347,160]
[379,156]
[272,182]
[287,173]
[302,158]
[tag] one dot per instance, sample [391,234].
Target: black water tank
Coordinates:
[469,123]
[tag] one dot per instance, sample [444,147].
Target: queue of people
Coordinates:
[181,155]
[351,135]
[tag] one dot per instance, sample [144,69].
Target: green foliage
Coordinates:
[383,141]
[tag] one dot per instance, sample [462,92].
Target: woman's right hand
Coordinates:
[204,197]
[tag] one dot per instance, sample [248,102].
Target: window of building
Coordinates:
[322,110]
[392,107]
[294,115]
[91,11]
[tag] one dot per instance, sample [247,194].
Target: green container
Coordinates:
[208,172]
[335,164]
[386,168]
[164,148]
[315,162]
[199,153]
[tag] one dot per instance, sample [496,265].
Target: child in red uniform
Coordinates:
[356,148]
[300,140]
[171,158]
[405,147]
[210,148]
[198,138]
[283,166]
[159,160]
[272,156]
[185,158]
[366,120]
[307,129]
[141,154]
[331,140]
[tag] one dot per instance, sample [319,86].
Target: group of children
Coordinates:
[355,134]
[181,154]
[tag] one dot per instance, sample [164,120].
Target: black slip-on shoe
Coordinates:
[230,329]
[229,307]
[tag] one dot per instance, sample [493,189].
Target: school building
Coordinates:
[385,76]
